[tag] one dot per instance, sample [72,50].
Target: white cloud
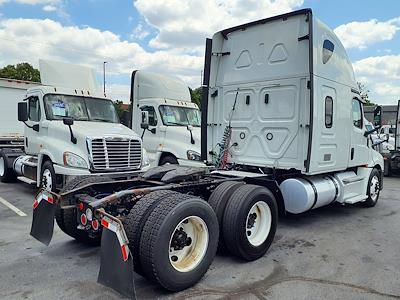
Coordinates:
[139,32]
[381,75]
[362,34]
[49,8]
[31,39]
[186,24]
[32,2]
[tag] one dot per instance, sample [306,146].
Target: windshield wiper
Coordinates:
[102,120]
[175,123]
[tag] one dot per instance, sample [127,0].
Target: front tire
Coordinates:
[48,177]
[373,188]
[250,222]
[179,242]
[7,173]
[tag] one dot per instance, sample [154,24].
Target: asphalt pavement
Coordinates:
[336,252]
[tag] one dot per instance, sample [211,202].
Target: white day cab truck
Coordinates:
[171,128]
[392,157]
[71,129]
[282,131]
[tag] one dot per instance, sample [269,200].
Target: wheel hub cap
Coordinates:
[374,188]
[47,182]
[2,167]
[188,244]
[258,223]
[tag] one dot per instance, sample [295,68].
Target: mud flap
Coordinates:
[44,211]
[116,263]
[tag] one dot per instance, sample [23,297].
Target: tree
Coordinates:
[364,94]
[196,95]
[21,71]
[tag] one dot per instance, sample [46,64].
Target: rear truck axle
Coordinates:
[192,231]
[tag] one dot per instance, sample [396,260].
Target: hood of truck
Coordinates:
[99,129]
[177,140]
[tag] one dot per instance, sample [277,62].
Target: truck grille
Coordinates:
[115,153]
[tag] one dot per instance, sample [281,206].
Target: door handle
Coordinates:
[352,154]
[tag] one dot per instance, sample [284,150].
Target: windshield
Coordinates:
[180,116]
[80,108]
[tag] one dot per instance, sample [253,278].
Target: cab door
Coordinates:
[359,151]
[153,139]
[32,135]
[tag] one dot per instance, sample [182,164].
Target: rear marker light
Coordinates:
[95,224]
[83,219]
[81,206]
[104,223]
[124,252]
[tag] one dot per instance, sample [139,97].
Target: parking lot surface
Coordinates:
[336,252]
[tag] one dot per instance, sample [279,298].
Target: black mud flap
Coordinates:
[44,211]
[114,271]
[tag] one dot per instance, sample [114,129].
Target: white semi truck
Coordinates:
[282,130]
[71,129]
[172,128]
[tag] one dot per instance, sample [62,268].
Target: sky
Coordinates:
[169,36]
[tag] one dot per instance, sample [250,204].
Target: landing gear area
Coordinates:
[313,255]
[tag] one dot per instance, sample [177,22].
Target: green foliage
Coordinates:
[21,71]
[196,95]
[364,94]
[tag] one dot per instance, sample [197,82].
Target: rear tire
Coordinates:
[373,188]
[250,222]
[218,201]
[179,242]
[169,159]
[67,218]
[135,221]
[7,173]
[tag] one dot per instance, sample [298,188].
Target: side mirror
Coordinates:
[144,124]
[22,111]
[378,116]
[68,121]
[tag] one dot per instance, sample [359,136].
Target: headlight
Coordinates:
[193,155]
[73,160]
[145,158]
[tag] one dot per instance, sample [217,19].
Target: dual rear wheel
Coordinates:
[173,237]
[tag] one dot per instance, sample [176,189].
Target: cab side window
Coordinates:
[328,112]
[34,109]
[357,113]
[152,114]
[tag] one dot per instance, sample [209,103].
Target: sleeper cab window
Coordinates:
[328,112]
[152,115]
[327,50]
[357,113]
[34,109]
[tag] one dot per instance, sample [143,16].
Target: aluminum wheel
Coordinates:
[47,180]
[2,166]
[374,188]
[258,223]
[188,244]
